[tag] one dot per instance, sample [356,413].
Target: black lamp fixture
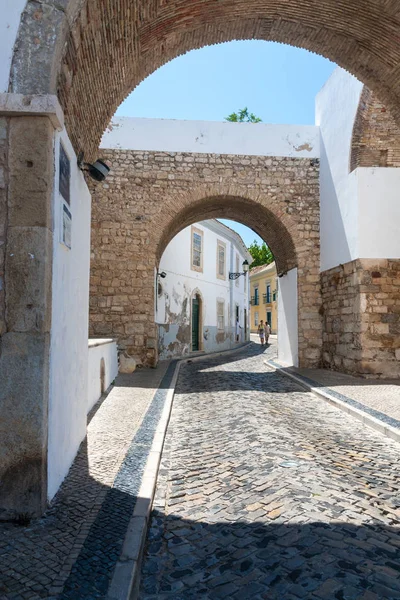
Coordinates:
[97,171]
[162,274]
[245,266]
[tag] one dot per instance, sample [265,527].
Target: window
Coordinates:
[221,262]
[220,315]
[275,292]
[237,269]
[268,294]
[256,318]
[197,249]
[256,301]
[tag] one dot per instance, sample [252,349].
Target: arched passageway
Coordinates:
[91,54]
[142,208]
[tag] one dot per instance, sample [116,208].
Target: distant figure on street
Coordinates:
[238,328]
[267,332]
[261,332]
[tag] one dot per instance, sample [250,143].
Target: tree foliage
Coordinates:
[261,254]
[243,116]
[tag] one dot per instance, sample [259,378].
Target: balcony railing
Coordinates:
[267,298]
[254,301]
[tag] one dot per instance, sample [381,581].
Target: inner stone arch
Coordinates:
[141,209]
[273,230]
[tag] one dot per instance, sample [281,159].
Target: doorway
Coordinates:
[196,323]
[245,324]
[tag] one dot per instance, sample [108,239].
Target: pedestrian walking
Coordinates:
[267,332]
[238,328]
[261,332]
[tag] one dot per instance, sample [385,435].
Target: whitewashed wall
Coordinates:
[379,212]
[10,11]
[360,211]
[288,344]
[69,333]
[101,350]
[181,284]
[336,108]
[168,135]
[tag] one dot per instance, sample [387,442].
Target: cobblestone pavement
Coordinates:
[266,491]
[383,396]
[71,551]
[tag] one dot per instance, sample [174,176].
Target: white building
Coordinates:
[197,304]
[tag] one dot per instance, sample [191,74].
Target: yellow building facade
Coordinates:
[264,297]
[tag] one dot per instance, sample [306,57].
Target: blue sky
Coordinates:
[276,82]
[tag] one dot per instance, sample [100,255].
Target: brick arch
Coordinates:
[376,135]
[94,52]
[277,230]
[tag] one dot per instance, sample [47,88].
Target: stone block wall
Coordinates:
[4,126]
[150,196]
[361,301]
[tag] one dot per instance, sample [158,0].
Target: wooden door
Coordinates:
[195,323]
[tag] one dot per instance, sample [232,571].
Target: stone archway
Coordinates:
[143,207]
[91,54]
[88,49]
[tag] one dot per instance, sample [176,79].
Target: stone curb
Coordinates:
[390,432]
[126,578]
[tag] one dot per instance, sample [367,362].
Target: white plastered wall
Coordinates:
[288,344]
[360,211]
[69,333]
[169,135]
[182,282]
[379,212]
[10,11]
[101,350]
[336,108]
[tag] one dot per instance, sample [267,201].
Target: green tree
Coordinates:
[261,254]
[243,116]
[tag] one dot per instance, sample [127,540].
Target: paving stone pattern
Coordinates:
[377,394]
[71,551]
[266,491]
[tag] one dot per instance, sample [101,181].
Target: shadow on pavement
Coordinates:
[244,560]
[146,377]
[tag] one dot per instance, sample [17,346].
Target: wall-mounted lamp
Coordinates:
[97,171]
[159,286]
[245,266]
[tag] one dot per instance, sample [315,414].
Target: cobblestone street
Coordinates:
[266,491]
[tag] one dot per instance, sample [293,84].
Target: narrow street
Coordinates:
[265,491]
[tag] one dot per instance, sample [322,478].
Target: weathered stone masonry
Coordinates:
[150,196]
[361,302]
[26,190]
[3,215]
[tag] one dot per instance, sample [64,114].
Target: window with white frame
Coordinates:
[197,249]
[220,315]
[221,260]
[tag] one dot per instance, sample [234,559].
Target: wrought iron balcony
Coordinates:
[267,298]
[254,301]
